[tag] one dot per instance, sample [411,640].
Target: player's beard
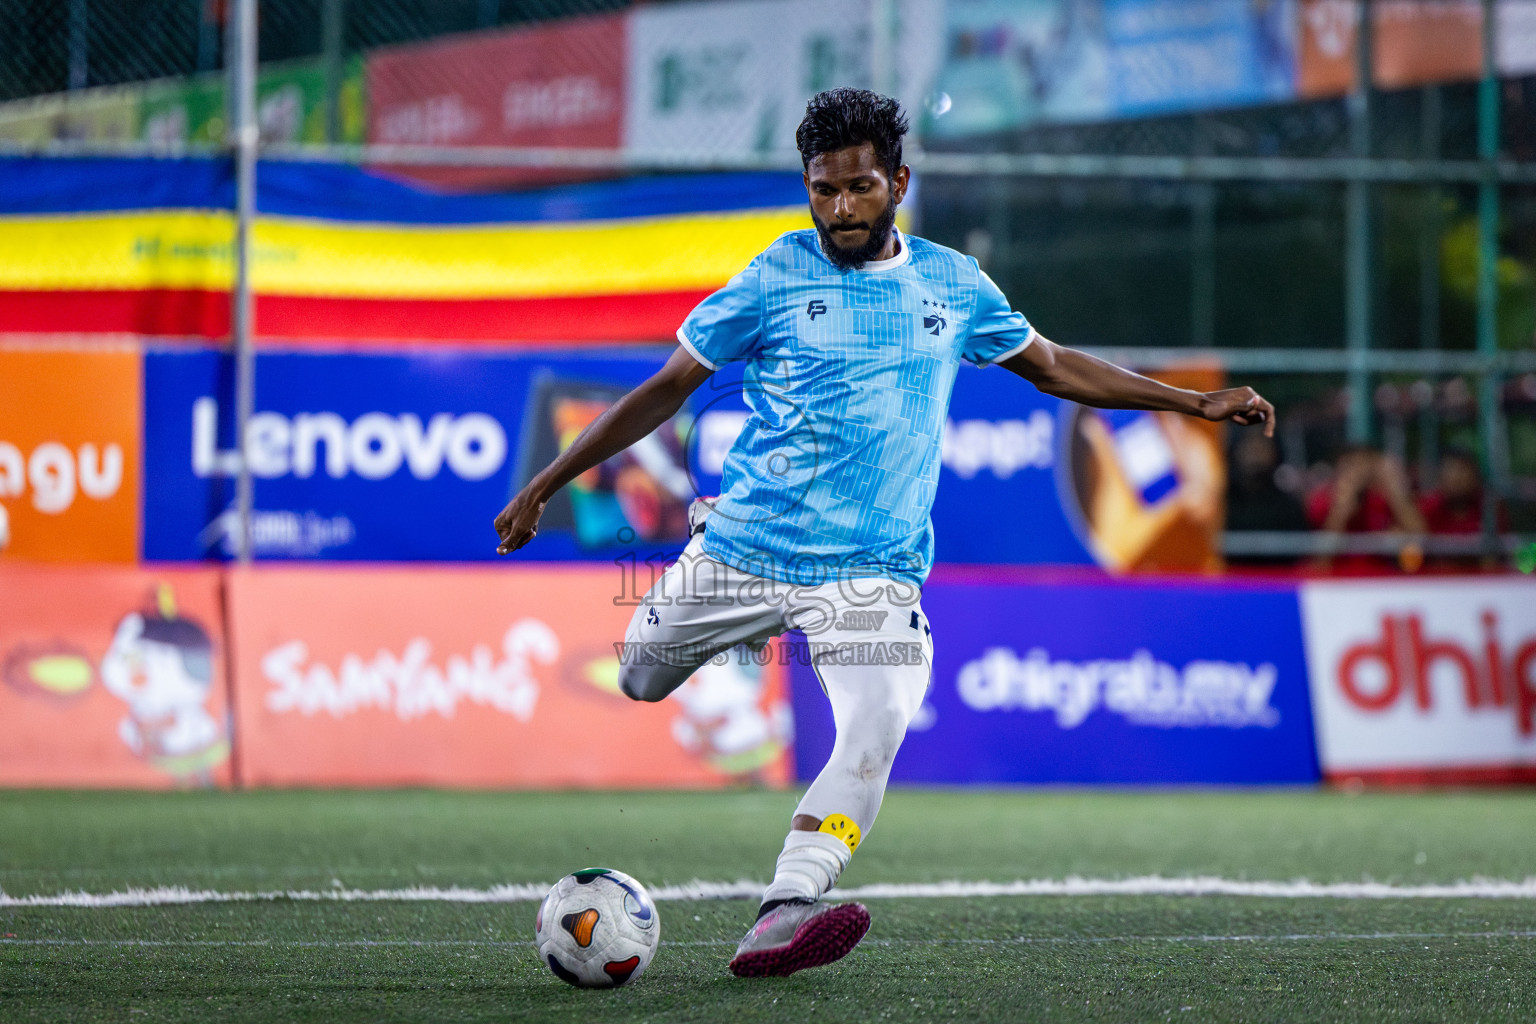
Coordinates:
[879,234]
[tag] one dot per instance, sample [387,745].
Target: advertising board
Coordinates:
[394,457]
[1515,37]
[1415,42]
[291,105]
[1431,680]
[1174,55]
[1030,479]
[112,677]
[732,77]
[479,677]
[69,452]
[105,114]
[389,456]
[1071,680]
[1010,64]
[558,84]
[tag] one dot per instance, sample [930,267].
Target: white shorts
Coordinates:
[701,607]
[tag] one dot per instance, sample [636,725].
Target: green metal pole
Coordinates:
[1430,123]
[1359,248]
[1490,419]
[332,36]
[1202,291]
[1202,251]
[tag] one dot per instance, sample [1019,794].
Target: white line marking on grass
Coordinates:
[1150,885]
[1019,940]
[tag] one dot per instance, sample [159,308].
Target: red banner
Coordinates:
[559,85]
[112,677]
[478,677]
[1414,42]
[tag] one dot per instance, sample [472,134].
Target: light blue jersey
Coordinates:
[848,379]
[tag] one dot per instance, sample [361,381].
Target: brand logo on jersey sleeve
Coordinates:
[815,308]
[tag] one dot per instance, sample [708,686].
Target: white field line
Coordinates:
[1149,885]
[1018,940]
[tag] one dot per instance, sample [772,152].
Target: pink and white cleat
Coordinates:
[797,935]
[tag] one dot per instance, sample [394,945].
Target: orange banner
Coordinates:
[1414,42]
[478,677]
[112,677]
[70,429]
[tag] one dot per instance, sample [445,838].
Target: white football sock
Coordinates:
[808,867]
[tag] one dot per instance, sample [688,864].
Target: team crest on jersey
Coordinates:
[935,317]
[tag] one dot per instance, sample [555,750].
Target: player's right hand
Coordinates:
[518,523]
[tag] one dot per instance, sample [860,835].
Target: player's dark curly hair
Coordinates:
[844,117]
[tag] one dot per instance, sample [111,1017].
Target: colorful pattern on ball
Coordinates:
[597,928]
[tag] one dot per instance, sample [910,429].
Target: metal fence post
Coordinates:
[882,43]
[332,38]
[79,44]
[1359,245]
[1431,120]
[244,138]
[1490,417]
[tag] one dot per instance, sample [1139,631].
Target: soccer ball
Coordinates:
[597,928]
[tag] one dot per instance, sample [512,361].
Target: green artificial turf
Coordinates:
[1110,958]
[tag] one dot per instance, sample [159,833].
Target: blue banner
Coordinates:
[399,457]
[1011,64]
[380,456]
[1006,460]
[1099,682]
[1167,56]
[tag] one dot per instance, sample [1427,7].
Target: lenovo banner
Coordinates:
[1424,681]
[1084,681]
[112,677]
[407,457]
[386,457]
[480,677]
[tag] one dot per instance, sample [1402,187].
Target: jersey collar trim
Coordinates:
[899,260]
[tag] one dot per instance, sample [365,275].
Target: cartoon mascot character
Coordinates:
[161,666]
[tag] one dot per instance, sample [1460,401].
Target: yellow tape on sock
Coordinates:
[842,826]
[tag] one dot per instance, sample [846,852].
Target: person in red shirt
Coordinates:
[1368,494]
[1455,509]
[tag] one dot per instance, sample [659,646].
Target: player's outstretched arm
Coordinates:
[625,422]
[1088,380]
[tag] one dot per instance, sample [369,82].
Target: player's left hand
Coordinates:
[1240,405]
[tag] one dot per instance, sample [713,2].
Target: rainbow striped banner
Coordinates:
[342,254]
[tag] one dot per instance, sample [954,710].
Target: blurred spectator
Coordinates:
[1368,494]
[1255,499]
[1455,509]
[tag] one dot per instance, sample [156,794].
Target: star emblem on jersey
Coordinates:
[934,320]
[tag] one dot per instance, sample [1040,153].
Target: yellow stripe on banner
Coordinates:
[144,249]
[295,256]
[583,258]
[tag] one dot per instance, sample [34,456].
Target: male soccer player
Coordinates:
[851,335]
